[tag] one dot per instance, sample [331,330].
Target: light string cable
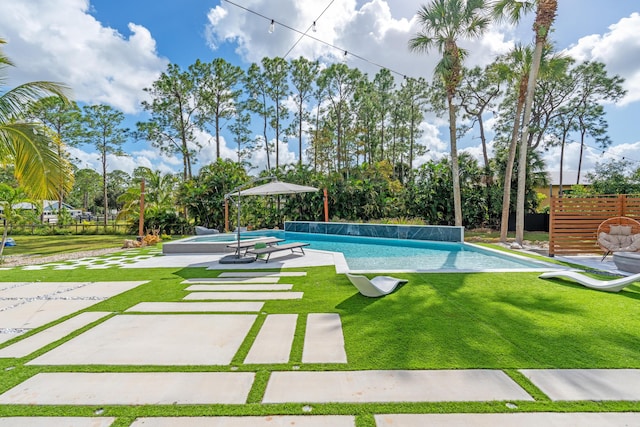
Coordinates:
[303,34]
[307,30]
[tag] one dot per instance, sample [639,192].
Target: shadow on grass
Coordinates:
[510,320]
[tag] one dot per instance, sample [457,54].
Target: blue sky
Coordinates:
[109,50]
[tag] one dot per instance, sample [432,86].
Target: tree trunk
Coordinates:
[508,173]
[524,142]
[455,173]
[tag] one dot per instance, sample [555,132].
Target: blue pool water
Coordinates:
[371,254]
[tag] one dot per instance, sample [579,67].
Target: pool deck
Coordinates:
[317,258]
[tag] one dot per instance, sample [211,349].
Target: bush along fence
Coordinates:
[574,221]
[87,228]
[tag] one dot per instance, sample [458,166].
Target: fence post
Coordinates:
[622,199]
[552,220]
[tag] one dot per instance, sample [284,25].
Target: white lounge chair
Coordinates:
[376,287]
[601,285]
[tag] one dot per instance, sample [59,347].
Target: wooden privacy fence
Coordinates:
[574,221]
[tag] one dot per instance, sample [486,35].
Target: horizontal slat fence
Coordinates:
[574,221]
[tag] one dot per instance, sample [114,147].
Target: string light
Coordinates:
[272,26]
[313,27]
[304,34]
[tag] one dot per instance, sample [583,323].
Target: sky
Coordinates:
[108,51]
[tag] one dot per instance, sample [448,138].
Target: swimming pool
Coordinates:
[373,254]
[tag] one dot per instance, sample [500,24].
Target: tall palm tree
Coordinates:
[443,23]
[30,146]
[513,10]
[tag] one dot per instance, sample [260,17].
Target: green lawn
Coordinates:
[51,245]
[502,321]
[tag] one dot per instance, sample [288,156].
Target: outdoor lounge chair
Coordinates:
[376,287]
[619,234]
[277,248]
[601,285]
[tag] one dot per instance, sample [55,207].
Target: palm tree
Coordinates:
[443,23]
[31,147]
[513,10]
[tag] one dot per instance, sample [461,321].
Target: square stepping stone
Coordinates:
[249,296]
[162,339]
[392,386]
[36,313]
[586,384]
[240,287]
[269,421]
[56,421]
[273,343]
[35,342]
[193,307]
[324,340]
[608,419]
[134,388]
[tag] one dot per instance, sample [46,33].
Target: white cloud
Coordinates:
[377,31]
[60,41]
[619,49]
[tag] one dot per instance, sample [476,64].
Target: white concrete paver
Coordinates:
[243,296]
[6,336]
[35,289]
[324,341]
[155,339]
[36,313]
[194,307]
[273,342]
[103,289]
[510,420]
[7,285]
[393,386]
[4,303]
[226,280]
[134,388]
[263,274]
[586,384]
[56,421]
[240,287]
[269,421]
[52,334]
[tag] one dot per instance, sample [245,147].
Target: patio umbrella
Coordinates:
[275,188]
[269,189]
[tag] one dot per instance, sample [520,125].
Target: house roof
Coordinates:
[569,178]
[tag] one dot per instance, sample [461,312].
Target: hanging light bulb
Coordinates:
[272,27]
[313,27]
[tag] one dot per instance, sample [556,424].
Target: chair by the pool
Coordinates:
[376,287]
[601,285]
[619,234]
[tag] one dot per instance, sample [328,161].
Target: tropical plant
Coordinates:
[30,147]
[443,23]
[513,10]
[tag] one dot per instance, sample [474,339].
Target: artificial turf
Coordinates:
[506,321]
